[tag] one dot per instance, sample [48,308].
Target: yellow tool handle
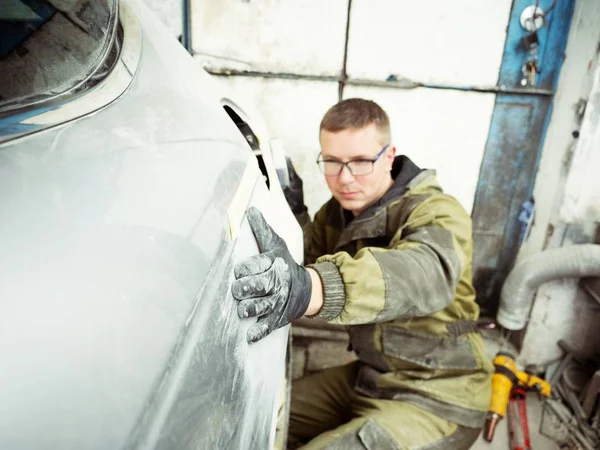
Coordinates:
[531,382]
[501,387]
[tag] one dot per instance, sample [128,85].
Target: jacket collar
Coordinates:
[403,172]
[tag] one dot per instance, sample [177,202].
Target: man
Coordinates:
[390,256]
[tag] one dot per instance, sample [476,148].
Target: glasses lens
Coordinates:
[330,168]
[361,167]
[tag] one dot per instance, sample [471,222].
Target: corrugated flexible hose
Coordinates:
[520,286]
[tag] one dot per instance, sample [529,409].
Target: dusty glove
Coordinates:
[270,285]
[294,193]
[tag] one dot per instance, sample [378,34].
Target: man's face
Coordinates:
[357,192]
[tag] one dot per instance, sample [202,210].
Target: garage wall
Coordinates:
[169,12]
[458,43]
[294,52]
[572,92]
[567,195]
[304,37]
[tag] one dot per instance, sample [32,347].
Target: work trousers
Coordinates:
[326,413]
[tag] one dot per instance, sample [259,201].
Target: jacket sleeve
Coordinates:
[415,276]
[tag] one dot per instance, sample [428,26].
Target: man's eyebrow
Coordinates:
[355,158]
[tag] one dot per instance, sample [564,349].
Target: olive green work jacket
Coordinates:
[399,275]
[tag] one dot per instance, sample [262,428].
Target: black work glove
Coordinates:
[294,193]
[270,285]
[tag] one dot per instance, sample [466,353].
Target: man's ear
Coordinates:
[390,155]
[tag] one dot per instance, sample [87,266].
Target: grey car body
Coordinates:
[122,207]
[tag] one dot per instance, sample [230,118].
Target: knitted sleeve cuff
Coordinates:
[334,295]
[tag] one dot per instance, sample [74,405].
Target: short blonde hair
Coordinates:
[357,113]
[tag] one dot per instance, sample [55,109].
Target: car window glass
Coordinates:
[51,47]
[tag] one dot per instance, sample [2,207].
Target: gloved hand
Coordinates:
[270,285]
[294,194]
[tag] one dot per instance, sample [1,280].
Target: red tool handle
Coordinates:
[517,420]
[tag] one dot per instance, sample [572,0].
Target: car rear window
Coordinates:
[49,48]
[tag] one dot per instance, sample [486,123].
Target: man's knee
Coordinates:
[372,436]
[461,439]
[358,434]
[321,402]
[394,428]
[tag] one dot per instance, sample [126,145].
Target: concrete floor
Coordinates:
[501,440]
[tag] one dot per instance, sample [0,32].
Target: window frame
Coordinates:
[70,105]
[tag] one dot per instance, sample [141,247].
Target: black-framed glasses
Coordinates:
[357,167]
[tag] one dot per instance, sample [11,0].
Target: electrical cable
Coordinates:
[551,7]
[545,13]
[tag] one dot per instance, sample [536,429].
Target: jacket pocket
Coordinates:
[371,436]
[432,352]
[374,437]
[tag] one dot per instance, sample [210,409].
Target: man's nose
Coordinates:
[345,175]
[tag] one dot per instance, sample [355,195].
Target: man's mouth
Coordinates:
[349,195]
